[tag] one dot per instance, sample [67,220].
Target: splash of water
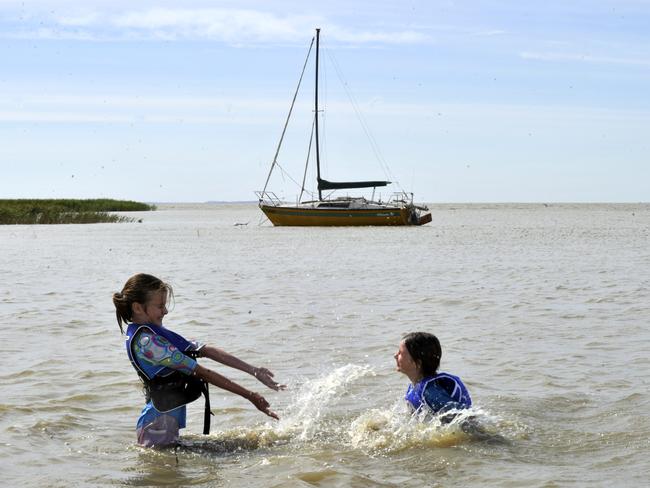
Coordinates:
[305,419]
[395,429]
[312,418]
[315,399]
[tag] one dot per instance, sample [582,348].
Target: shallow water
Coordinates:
[542,310]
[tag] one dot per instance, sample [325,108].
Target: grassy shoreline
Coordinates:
[67,211]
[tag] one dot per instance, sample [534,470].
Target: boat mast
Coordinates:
[320,195]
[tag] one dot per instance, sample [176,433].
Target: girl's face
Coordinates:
[153,311]
[406,364]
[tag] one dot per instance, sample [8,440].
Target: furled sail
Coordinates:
[339,185]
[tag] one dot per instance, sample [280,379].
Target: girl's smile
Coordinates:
[153,311]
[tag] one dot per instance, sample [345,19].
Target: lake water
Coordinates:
[544,311]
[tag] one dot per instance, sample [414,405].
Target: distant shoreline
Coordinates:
[435,204]
[67,211]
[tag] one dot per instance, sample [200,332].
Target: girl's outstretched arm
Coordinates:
[222,382]
[262,374]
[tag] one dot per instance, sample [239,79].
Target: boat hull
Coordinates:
[319,217]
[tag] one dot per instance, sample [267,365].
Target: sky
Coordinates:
[455,101]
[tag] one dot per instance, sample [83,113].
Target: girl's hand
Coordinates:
[266,377]
[262,405]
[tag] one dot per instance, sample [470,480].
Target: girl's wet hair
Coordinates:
[137,289]
[425,349]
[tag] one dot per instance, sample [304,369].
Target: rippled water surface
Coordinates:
[544,311]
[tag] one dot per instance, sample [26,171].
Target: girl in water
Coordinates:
[418,357]
[166,364]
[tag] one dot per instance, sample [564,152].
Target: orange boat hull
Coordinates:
[319,217]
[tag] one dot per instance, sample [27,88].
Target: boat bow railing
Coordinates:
[403,198]
[268,198]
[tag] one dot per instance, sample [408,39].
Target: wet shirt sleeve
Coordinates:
[155,350]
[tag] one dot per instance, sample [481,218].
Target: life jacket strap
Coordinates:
[206,412]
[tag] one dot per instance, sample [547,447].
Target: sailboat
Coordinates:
[399,209]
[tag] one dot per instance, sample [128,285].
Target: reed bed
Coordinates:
[67,211]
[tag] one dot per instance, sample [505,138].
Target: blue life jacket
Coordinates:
[440,392]
[164,387]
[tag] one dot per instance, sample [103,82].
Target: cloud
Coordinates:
[490,33]
[400,37]
[230,26]
[554,56]
[227,25]
[120,109]
[24,116]
[79,19]
[117,109]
